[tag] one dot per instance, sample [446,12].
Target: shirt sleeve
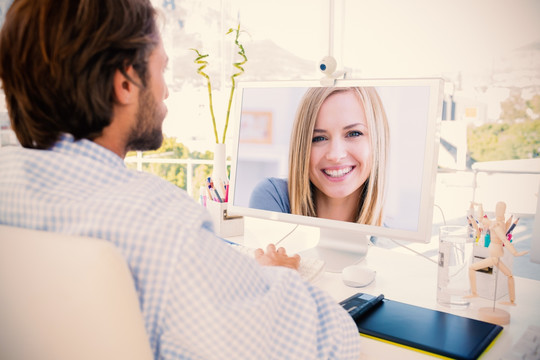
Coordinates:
[224,305]
[271,194]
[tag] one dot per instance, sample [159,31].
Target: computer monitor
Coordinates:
[401,168]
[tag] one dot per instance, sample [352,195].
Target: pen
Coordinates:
[202,196]
[217,198]
[226,186]
[512,227]
[474,224]
[208,189]
[209,194]
[221,190]
[370,304]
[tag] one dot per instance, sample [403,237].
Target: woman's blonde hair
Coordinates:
[370,203]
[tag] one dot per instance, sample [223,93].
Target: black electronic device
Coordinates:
[423,329]
[360,304]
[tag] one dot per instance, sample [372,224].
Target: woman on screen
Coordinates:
[344,132]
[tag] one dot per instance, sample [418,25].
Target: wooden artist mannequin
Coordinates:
[497,229]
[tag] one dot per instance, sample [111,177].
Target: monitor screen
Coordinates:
[357,159]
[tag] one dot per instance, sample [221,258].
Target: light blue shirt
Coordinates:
[200,299]
[271,194]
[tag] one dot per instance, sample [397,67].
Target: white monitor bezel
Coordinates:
[424,230]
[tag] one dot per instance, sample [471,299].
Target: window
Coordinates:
[488,53]
[279,45]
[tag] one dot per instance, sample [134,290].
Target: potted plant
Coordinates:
[219,171]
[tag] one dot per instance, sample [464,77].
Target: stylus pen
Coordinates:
[512,226]
[370,304]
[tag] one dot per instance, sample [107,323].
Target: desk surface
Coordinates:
[402,277]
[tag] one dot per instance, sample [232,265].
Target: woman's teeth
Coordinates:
[338,173]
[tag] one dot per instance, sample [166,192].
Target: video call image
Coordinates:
[264,141]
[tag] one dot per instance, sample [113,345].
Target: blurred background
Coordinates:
[487,51]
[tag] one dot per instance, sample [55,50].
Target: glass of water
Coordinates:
[455,258]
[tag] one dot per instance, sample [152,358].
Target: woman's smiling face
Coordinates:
[340,160]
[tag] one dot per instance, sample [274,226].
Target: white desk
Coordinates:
[402,277]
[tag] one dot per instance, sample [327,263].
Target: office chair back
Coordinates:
[67,297]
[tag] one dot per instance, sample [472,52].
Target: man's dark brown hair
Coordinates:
[58,59]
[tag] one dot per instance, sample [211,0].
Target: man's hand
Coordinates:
[278,257]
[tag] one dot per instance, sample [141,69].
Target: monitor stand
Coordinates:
[339,248]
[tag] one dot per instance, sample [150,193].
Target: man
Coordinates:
[84,84]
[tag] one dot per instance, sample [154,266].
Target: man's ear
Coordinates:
[125,90]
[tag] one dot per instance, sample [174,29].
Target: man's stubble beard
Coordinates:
[147,133]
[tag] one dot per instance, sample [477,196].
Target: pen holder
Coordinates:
[225,225]
[491,283]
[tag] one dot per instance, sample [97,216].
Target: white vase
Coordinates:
[219,167]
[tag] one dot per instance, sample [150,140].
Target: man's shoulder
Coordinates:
[156,195]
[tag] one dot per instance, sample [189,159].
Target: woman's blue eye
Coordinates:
[317,139]
[354,133]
